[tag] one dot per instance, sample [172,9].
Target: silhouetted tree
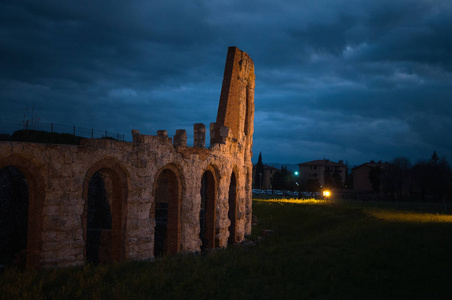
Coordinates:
[432,178]
[435,158]
[259,172]
[422,175]
[399,172]
[278,180]
[348,177]
[284,180]
[442,176]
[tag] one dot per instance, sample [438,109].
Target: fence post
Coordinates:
[106,133]
[51,133]
[118,136]
[92,133]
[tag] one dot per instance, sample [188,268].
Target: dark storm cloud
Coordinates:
[103,59]
[352,80]
[372,82]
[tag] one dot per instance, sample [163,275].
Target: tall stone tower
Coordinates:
[235,119]
[236,107]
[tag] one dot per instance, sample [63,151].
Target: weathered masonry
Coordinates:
[107,200]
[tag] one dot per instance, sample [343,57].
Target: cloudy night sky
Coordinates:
[343,80]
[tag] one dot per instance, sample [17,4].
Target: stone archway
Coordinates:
[232,211]
[104,217]
[166,211]
[29,175]
[207,215]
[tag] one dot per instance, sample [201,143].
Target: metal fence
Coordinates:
[8,126]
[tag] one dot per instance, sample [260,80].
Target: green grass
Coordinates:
[320,249]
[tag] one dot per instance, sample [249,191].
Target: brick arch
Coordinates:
[36,199]
[232,205]
[119,194]
[167,191]
[209,195]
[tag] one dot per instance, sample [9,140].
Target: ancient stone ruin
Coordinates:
[106,200]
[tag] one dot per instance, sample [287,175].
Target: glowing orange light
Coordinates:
[326,193]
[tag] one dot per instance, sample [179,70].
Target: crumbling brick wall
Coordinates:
[147,181]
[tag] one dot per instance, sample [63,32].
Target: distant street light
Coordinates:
[326,193]
[296,181]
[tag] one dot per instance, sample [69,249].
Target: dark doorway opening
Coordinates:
[161,228]
[99,221]
[207,212]
[13,217]
[166,234]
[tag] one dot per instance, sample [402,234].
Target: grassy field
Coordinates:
[320,249]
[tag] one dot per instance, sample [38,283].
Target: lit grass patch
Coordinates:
[407,216]
[295,201]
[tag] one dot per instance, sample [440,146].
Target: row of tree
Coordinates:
[281,180]
[284,180]
[428,180]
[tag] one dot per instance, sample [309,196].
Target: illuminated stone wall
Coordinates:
[134,174]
